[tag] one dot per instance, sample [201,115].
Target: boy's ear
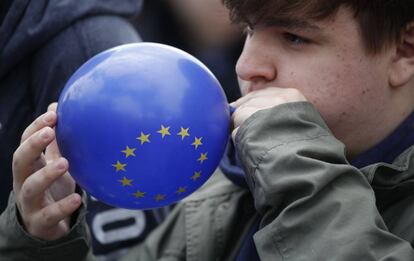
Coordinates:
[402,67]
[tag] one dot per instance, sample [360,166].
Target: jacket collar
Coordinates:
[391,174]
[392,182]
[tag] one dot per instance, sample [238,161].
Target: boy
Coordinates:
[324,82]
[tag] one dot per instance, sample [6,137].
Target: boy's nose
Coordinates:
[255,62]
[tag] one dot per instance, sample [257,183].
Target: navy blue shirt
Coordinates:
[392,146]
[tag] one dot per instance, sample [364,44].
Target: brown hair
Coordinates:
[381,21]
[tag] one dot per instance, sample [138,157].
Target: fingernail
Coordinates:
[61,165]
[48,117]
[44,134]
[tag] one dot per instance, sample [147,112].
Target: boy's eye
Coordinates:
[295,39]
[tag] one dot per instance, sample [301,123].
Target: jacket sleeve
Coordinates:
[167,242]
[315,205]
[17,245]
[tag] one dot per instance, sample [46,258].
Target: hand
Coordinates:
[260,100]
[43,188]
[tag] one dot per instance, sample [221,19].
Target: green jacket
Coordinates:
[312,204]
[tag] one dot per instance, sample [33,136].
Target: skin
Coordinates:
[43,188]
[322,62]
[326,63]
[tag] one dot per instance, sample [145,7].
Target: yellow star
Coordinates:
[196,175]
[125,182]
[164,131]
[159,197]
[119,166]
[139,194]
[203,157]
[144,138]
[183,133]
[129,152]
[197,142]
[181,190]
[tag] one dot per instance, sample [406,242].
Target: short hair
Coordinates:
[381,21]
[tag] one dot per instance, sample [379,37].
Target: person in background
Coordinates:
[200,27]
[42,43]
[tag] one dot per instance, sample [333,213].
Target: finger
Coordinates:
[28,154]
[241,114]
[52,107]
[34,187]
[254,94]
[274,95]
[255,104]
[54,213]
[63,186]
[263,102]
[46,119]
[52,151]
[234,133]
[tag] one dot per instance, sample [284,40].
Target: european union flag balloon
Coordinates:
[143,125]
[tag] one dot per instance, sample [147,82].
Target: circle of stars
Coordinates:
[143,138]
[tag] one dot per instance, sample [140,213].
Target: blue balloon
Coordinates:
[142,125]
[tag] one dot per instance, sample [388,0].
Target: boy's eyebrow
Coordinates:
[294,24]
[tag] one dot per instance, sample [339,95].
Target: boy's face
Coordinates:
[327,62]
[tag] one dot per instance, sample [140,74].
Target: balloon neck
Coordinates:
[232,109]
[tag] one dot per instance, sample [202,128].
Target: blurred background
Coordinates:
[200,27]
